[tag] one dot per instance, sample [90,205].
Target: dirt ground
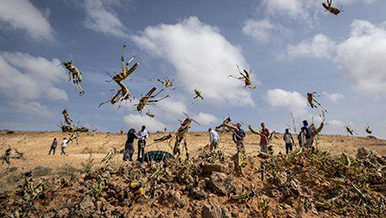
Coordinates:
[35,146]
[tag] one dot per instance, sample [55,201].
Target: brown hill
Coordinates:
[307,183]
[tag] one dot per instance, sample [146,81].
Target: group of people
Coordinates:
[305,140]
[54,145]
[142,135]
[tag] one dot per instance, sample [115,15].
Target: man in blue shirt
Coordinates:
[306,135]
[53,147]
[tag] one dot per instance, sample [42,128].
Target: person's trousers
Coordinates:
[141,149]
[288,147]
[213,145]
[264,148]
[240,147]
[53,150]
[239,157]
[129,151]
[309,143]
[63,152]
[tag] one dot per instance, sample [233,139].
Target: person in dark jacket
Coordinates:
[53,147]
[238,138]
[129,146]
[305,135]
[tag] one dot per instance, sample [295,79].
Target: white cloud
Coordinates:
[292,8]
[262,30]
[336,123]
[171,109]
[33,108]
[334,98]
[303,9]
[23,15]
[27,77]
[24,77]
[100,17]
[54,93]
[354,1]
[294,101]
[362,57]
[136,121]
[319,47]
[205,119]
[202,57]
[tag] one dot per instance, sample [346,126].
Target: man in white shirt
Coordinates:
[142,136]
[289,141]
[214,139]
[64,146]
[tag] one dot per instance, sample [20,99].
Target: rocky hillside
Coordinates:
[306,183]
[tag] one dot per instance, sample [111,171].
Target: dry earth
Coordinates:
[35,146]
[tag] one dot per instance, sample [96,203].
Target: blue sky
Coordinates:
[293,47]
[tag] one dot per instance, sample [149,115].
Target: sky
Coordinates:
[292,46]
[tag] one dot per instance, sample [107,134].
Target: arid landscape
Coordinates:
[304,184]
[182,70]
[35,147]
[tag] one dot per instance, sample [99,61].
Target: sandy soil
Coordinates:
[35,146]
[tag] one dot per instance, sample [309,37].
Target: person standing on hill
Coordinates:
[129,146]
[238,138]
[264,134]
[53,147]
[142,136]
[305,135]
[64,146]
[214,139]
[289,141]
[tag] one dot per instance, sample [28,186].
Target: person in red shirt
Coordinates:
[264,134]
